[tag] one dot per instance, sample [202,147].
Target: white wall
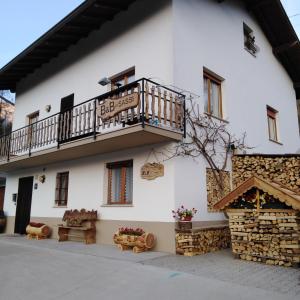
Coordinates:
[140,37]
[152,200]
[210,34]
[172,44]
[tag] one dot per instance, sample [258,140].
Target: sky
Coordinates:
[24,21]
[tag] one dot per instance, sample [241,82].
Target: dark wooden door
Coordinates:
[2,192]
[66,105]
[23,204]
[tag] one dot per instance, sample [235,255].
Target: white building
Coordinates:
[236,49]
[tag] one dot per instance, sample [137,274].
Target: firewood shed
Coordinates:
[264,221]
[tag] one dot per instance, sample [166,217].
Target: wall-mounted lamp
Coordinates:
[48,108]
[42,178]
[104,81]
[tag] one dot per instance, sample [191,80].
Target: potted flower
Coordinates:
[184,217]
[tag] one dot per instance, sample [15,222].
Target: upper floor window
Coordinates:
[62,186]
[249,40]
[272,123]
[120,182]
[123,78]
[212,95]
[33,118]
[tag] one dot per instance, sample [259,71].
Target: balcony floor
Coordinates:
[133,136]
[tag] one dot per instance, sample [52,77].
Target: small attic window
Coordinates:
[249,40]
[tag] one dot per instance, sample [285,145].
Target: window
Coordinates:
[272,123]
[33,118]
[120,181]
[61,193]
[249,40]
[212,95]
[123,78]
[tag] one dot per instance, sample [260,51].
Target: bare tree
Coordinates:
[210,138]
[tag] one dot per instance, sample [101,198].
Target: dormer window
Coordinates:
[249,40]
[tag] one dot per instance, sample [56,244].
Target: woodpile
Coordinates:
[202,240]
[265,236]
[284,169]
[214,192]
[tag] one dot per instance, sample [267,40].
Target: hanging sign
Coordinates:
[151,171]
[111,107]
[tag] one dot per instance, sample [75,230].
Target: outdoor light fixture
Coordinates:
[104,81]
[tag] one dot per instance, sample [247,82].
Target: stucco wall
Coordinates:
[210,34]
[140,37]
[152,200]
[171,44]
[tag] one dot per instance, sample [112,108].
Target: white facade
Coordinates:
[171,42]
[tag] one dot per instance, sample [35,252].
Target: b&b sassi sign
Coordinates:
[111,107]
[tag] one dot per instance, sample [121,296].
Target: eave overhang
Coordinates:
[88,16]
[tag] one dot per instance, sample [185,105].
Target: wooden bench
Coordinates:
[80,221]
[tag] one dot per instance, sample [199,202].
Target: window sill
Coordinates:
[217,118]
[59,206]
[117,205]
[276,142]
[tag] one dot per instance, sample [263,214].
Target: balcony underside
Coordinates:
[134,136]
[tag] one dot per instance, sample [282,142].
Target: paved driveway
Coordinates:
[51,270]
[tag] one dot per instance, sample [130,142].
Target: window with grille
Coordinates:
[61,193]
[120,182]
[272,123]
[249,40]
[212,95]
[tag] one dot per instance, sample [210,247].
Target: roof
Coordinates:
[6,100]
[88,16]
[277,190]
[92,14]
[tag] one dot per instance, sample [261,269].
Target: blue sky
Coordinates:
[23,21]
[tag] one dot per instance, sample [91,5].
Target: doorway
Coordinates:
[23,204]
[66,105]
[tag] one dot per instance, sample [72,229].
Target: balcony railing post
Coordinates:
[58,129]
[30,135]
[95,116]
[143,103]
[184,118]
[8,149]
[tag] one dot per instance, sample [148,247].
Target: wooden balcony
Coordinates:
[97,126]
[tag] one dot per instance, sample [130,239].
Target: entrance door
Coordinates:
[23,204]
[2,192]
[66,105]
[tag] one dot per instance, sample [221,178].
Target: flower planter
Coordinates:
[139,243]
[37,230]
[185,225]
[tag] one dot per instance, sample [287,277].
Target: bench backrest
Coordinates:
[76,217]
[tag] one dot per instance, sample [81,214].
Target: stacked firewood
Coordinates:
[269,237]
[200,241]
[282,169]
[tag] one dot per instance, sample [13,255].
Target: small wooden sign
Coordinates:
[111,107]
[151,171]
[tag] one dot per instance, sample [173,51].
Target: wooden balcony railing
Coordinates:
[156,105]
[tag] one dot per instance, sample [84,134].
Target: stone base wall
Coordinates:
[163,231]
[202,240]
[284,169]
